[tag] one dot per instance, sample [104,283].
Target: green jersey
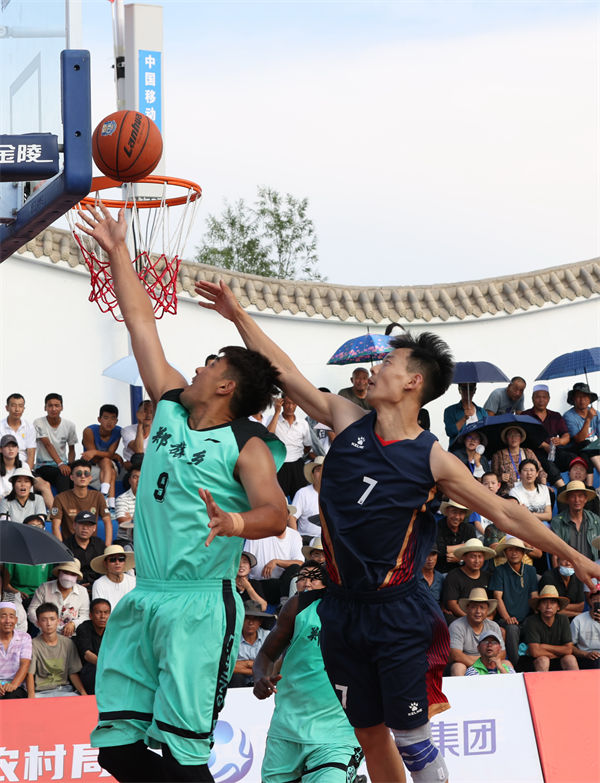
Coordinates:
[171,522]
[307,709]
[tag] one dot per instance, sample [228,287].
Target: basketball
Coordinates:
[126,146]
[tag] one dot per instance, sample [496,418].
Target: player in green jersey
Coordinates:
[208,482]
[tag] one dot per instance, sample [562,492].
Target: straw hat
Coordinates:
[512,541]
[451,504]
[309,468]
[316,543]
[572,486]
[99,563]
[478,595]
[510,427]
[474,545]
[72,566]
[548,591]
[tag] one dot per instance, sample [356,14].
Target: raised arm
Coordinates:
[456,481]
[157,374]
[327,408]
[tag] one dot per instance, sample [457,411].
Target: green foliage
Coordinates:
[273,238]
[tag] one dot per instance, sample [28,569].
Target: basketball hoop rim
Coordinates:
[104,183]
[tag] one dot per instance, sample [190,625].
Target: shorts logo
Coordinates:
[414,709]
[108,128]
[359,443]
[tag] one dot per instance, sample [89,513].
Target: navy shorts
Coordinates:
[385,652]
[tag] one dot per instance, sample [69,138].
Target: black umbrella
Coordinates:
[28,545]
[493,426]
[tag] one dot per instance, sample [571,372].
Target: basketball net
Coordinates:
[158,228]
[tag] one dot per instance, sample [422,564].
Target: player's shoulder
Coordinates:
[309,597]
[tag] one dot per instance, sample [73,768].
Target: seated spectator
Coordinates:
[357,393]
[530,493]
[9,462]
[54,435]
[254,632]
[585,634]
[294,433]
[13,599]
[85,545]
[466,631]
[452,532]
[125,508]
[513,584]
[100,443]
[314,550]
[490,482]
[508,400]
[15,654]
[135,436]
[433,578]
[489,661]
[505,463]
[54,666]
[578,472]
[463,412]
[469,448]
[70,599]
[306,500]
[114,583]
[584,426]
[577,526]
[568,586]
[552,454]
[278,560]
[244,585]
[25,579]
[548,634]
[461,581]
[88,641]
[80,498]
[21,502]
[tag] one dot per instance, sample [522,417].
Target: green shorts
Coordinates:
[289,762]
[166,658]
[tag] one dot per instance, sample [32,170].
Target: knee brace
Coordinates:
[422,759]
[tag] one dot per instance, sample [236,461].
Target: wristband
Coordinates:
[60,463]
[238,523]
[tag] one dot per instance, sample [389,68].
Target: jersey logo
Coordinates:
[359,443]
[314,634]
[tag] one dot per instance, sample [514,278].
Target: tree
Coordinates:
[273,238]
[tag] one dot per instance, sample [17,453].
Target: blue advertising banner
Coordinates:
[150,85]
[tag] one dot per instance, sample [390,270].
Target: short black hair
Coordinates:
[53,396]
[255,379]
[80,463]
[432,357]
[309,565]
[46,607]
[108,408]
[14,396]
[94,602]
[518,378]
[211,357]
[143,404]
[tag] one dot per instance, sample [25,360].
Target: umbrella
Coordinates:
[28,545]
[126,370]
[494,425]
[477,372]
[573,363]
[369,348]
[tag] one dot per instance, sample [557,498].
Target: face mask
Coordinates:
[566,571]
[67,580]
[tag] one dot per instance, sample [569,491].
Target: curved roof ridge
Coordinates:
[507,294]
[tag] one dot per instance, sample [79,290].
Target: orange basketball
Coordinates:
[127,146]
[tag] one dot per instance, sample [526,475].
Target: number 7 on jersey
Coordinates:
[371,484]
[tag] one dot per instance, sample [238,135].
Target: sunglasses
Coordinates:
[83,473]
[116,559]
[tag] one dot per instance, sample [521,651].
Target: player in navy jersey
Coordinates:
[383,639]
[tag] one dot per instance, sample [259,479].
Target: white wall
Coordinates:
[55,340]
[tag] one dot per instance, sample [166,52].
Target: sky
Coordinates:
[435,142]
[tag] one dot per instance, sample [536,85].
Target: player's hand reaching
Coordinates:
[266,686]
[218,297]
[221,523]
[102,227]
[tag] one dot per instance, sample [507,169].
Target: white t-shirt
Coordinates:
[25,436]
[60,437]
[585,632]
[128,434]
[112,591]
[274,548]
[535,500]
[294,436]
[306,501]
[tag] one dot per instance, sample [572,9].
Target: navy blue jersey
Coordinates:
[377,525]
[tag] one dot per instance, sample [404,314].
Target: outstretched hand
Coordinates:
[107,231]
[221,523]
[219,297]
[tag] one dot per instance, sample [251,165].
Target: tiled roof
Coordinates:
[472,299]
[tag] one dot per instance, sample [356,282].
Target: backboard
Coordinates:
[35,79]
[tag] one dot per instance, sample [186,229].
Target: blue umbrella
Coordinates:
[477,372]
[369,348]
[573,363]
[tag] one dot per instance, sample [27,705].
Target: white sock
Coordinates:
[104,487]
[110,502]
